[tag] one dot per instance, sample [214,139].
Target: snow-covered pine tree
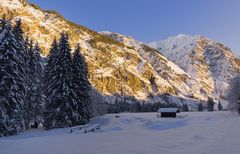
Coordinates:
[200,107]
[210,104]
[23,52]
[185,108]
[81,84]
[18,32]
[12,83]
[38,99]
[49,70]
[30,104]
[220,107]
[59,102]
[49,84]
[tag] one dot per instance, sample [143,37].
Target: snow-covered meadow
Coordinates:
[136,133]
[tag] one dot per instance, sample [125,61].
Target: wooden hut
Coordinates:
[168,112]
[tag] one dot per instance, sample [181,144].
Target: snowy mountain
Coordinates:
[209,61]
[113,67]
[184,84]
[118,64]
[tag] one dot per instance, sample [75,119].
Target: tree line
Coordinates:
[131,104]
[58,94]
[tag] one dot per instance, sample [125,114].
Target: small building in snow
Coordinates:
[168,112]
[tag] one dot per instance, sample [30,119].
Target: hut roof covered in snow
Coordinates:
[168,110]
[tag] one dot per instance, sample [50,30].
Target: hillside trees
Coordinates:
[24,89]
[20,79]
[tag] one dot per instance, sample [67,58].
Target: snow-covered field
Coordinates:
[136,133]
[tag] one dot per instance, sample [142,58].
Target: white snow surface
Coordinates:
[136,133]
[168,110]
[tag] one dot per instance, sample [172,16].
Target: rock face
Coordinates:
[113,66]
[121,65]
[210,62]
[185,85]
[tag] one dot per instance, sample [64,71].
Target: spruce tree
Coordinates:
[210,104]
[81,85]
[200,107]
[59,103]
[220,107]
[185,108]
[25,51]
[30,104]
[37,85]
[12,83]
[18,31]
[48,83]
[21,49]
[49,69]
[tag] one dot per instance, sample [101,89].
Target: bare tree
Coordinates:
[234,93]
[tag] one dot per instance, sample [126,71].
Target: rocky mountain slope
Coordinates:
[113,66]
[184,84]
[122,65]
[209,61]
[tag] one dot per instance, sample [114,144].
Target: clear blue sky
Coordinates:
[150,20]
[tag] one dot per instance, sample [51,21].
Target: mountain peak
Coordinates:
[209,61]
[183,35]
[187,35]
[172,42]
